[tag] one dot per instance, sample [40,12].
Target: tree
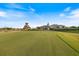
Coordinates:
[78,27]
[73,27]
[26,27]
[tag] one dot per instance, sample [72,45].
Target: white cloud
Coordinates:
[2,14]
[74,13]
[62,14]
[70,18]
[67,9]
[31,9]
[75,16]
[13,5]
[12,18]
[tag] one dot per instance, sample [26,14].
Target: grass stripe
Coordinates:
[68,44]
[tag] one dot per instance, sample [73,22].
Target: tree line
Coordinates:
[71,28]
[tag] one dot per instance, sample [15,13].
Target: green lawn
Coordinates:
[39,43]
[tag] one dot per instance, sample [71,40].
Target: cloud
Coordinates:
[12,18]
[18,6]
[31,9]
[67,9]
[16,16]
[74,14]
[76,11]
[62,15]
[3,14]
[15,6]
[70,18]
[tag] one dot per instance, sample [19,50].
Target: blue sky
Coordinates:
[37,14]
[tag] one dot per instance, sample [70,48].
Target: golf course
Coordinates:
[39,43]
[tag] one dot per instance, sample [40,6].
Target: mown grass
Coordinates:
[72,39]
[37,43]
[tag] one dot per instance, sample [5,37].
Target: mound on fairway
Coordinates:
[39,43]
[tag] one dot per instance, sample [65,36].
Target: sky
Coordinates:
[36,14]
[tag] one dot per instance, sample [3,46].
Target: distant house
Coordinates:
[44,27]
[26,27]
[56,26]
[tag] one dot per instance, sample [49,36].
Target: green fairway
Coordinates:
[39,43]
